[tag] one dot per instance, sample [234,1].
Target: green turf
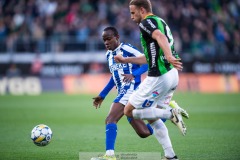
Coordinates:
[213,127]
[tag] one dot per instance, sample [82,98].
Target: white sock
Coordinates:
[151,113]
[110,152]
[161,133]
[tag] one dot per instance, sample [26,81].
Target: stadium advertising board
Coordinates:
[206,83]
[94,83]
[20,86]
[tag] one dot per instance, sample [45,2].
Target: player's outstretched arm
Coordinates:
[136,60]
[97,101]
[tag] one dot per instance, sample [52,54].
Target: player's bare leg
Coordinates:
[128,110]
[114,115]
[140,127]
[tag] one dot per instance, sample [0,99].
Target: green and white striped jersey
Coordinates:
[157,63]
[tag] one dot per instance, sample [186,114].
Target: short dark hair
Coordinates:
[146,4]
[113,29]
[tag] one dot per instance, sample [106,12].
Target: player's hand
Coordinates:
[119,58]
[97,101]
[175,62]
[127,78]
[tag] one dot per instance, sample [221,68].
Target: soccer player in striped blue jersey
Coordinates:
[126,78]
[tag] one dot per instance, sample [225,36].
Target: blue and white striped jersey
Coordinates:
[117,69]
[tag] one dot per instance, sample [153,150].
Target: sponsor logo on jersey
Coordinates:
[123,91]
[155,94]
[151,24]
[144,28]
[163,57]
[153,53]
[117,66]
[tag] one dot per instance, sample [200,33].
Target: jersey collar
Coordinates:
[148,15]
[118,47]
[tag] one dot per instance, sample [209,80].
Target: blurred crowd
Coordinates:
[202,29]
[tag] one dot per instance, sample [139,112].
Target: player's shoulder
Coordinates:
[107,52]
[129,47]
[152,21]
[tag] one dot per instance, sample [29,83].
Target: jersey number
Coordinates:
[147,103]
[170,36]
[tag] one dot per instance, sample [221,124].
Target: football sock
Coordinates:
[129,119]
[111,134]
[150,128]
[151,113]
[110,152]
[164,120]
[161,133]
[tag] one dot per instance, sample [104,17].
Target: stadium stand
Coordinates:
[203,30]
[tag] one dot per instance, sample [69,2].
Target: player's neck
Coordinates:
[147,14]
[117,46]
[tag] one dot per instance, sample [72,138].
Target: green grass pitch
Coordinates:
[213,127]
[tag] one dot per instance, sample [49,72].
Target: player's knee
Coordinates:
[127,112]
[110,119]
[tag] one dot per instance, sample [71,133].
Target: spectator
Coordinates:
[59,23]
[13,71]
[36,66]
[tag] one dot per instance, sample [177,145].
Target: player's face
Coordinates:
[111,42]
[135,14]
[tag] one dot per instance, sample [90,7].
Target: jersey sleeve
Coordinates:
[107,88]
[140,70]
[148,26]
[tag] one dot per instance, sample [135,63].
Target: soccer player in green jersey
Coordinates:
[162,80]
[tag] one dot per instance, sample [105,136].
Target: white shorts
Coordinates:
[155,91]
[124,94]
